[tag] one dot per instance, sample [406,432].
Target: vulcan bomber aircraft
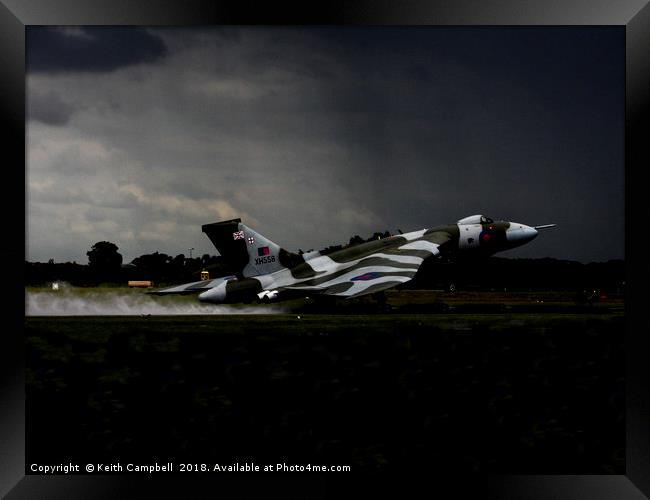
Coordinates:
[266,272]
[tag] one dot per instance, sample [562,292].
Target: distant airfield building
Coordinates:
[140,284]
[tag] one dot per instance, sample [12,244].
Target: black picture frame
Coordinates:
[16,14]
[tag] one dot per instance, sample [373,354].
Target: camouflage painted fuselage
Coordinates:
[264,271]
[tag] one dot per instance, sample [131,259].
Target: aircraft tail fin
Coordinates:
[246,251]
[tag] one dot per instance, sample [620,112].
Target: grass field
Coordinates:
[515,390]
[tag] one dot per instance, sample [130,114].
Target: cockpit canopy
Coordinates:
[476,219]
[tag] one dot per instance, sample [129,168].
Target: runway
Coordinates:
[499,392]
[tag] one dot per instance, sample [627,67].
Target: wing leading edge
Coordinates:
[189,288]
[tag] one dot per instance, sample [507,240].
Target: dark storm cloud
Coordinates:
[314,134]
[48,108]
[53,50]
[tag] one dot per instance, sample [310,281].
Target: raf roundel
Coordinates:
[366,277]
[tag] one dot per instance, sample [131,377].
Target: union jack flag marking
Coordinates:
[238,235]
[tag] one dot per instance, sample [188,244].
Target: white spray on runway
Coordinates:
[65,300]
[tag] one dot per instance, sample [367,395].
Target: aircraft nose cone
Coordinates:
[520,233]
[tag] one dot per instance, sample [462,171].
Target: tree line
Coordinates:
[105,266]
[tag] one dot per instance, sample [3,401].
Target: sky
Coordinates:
[311,135]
